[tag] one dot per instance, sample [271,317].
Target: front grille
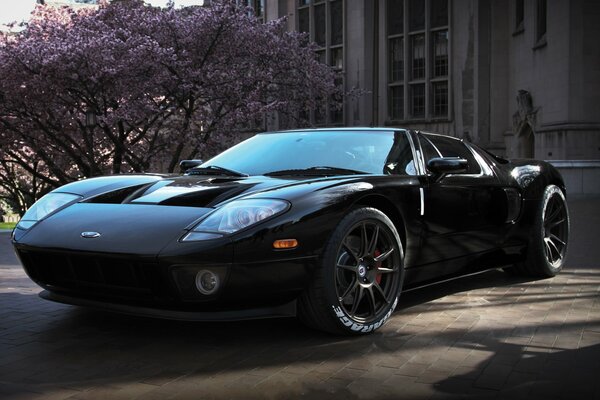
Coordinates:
[91,274]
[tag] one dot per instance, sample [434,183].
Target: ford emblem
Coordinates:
[90,235]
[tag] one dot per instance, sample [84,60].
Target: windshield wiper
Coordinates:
[319,171]
[214,169]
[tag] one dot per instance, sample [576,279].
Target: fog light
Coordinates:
[207,282]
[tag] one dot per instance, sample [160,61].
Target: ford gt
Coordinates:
[330,225]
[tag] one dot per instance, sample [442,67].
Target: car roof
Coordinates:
[340,129]
[359,129]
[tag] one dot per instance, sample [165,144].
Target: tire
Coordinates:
[549,237]
[356,288]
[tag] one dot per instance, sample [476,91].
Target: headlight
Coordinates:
[44,207]
[235,216]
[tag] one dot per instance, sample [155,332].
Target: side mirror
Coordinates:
[187,164]
[446,165]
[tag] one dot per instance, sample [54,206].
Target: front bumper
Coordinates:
[166,285]
[284,310]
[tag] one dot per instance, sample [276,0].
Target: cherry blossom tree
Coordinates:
[126,86]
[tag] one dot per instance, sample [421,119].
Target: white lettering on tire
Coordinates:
[358,327]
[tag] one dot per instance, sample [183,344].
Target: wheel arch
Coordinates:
[384,205]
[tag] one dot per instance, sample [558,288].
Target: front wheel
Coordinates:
[356,288]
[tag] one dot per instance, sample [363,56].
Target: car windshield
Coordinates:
[319,152]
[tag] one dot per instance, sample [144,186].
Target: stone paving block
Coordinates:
[348,373]
[486,336]
[391,360]
[470,373]
[443,366]
[493,376]
[412,369]
[432,376]
[378,373]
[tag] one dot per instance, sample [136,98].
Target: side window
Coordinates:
[399,160]
[429,150]
[449,147]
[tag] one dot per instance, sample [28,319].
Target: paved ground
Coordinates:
[488,336]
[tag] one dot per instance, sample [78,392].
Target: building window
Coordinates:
[397,102]
[439,13]
[323,20]
[519,15]
[395,17]
[440,53]
[320,25]
[440,99]
[416,14]
[304,20]
[418,54]
[396,67]
[540,20]
[417,100]
[337,23]
[257,5]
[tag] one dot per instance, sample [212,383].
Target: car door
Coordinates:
[462,213]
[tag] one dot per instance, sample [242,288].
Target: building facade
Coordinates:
[519,77]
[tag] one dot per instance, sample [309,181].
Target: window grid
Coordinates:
[424,65]
[417,104]
[440,98]
[396,71]
[440,53]
[323,20]
[397,102]
[418,56]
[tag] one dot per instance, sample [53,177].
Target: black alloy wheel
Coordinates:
[549,237]
[356,288]
[367,266]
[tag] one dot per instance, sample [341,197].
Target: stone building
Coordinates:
[519,77]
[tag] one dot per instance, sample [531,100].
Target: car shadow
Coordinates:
[77,347]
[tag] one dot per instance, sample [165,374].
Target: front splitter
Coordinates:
[284,310]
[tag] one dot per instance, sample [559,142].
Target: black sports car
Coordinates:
[328,224]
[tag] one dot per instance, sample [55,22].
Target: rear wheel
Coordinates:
[549,236]
[356,289]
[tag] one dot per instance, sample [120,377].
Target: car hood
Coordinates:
[142,214]
[194,190]
[115,228]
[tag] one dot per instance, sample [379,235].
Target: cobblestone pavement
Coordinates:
[485,336]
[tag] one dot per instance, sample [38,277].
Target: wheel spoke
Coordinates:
[364,240]
[380,291]
[553,245]
[357,300]
[553,213]
[383,270]
[554,237]
[373,241]
[547,250]
[350,251]
[351,268]
[347,292]
[372,302]
[383,256]
[556,223]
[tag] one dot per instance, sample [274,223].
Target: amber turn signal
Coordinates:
[285,244]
